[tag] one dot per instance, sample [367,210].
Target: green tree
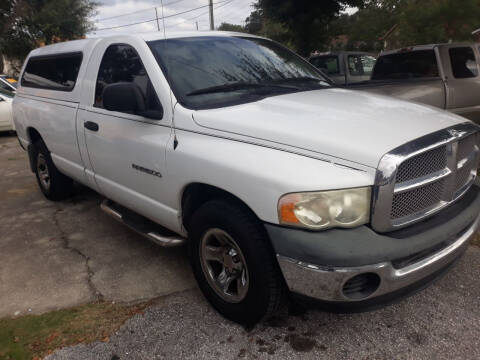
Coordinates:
[26,24]
[258,24]
[231,27]
[436,21]
[416,22]
[305,21]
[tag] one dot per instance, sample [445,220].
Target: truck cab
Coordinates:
[345,67]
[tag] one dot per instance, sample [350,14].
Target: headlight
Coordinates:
[322,210]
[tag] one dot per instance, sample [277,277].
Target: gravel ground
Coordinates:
[441,322]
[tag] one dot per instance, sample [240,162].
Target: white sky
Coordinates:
[231,11]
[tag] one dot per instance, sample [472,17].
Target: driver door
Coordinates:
[126,151]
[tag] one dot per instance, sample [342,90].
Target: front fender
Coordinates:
[257,175]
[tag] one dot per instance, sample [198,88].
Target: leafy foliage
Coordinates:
[258,24]
[436,21]
[415,21]
[231,27]
[305,21]
[26,24]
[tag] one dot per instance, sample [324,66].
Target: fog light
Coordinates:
[361,286]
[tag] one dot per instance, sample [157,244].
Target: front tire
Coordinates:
[53,184]
[234,263]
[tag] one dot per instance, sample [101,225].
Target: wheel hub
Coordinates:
[224,265]
[42,171]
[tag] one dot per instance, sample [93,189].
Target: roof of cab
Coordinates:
[421,47]
[330,53]
[80,45]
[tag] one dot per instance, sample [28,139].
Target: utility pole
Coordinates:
[210,4]
[156,16]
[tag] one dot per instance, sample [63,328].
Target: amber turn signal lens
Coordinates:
[286,209]
[287,214]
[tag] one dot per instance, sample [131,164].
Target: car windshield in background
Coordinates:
[8,93]
[7,83]
[208,72]
[406,65]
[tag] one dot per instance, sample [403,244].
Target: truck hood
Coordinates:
[354,126]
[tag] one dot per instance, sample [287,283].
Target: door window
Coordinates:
[463,62]
[328,64]
[121,64]
[360,65]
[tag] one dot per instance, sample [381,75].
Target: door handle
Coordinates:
[90,125]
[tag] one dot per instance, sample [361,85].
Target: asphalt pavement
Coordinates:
[57,255]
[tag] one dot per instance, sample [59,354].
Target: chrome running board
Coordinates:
[145,227]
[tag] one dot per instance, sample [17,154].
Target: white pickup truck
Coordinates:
[238,147]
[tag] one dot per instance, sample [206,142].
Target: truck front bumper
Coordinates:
[358,268]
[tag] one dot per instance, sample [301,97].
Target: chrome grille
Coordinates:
[466,165]
[411,202]
[420,178]
[465,147]
[423,164]
[464,176]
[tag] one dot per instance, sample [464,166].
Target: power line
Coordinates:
[135,12]
[120,26]
[226,17]
[117,16]
[202,14]
[157,18]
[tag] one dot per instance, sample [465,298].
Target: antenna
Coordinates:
[175,141]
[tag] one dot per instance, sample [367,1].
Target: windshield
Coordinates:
[7,83]
[208,72]
[7,93]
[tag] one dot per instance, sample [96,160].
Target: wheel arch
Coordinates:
[196,194]
[33,136]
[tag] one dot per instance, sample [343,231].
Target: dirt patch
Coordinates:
[300,343]
[35,336]
[476,240]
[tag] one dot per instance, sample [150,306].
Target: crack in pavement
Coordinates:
[98,296]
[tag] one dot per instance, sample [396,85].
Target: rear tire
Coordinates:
[53,184]
[228,242]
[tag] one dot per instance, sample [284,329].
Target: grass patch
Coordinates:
[35,336]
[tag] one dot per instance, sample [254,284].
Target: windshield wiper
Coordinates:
[236,86]
[302,79]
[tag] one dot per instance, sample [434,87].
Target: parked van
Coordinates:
[241,149]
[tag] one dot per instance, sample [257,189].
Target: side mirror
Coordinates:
[128,98]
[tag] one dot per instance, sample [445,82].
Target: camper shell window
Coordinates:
[52,72]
